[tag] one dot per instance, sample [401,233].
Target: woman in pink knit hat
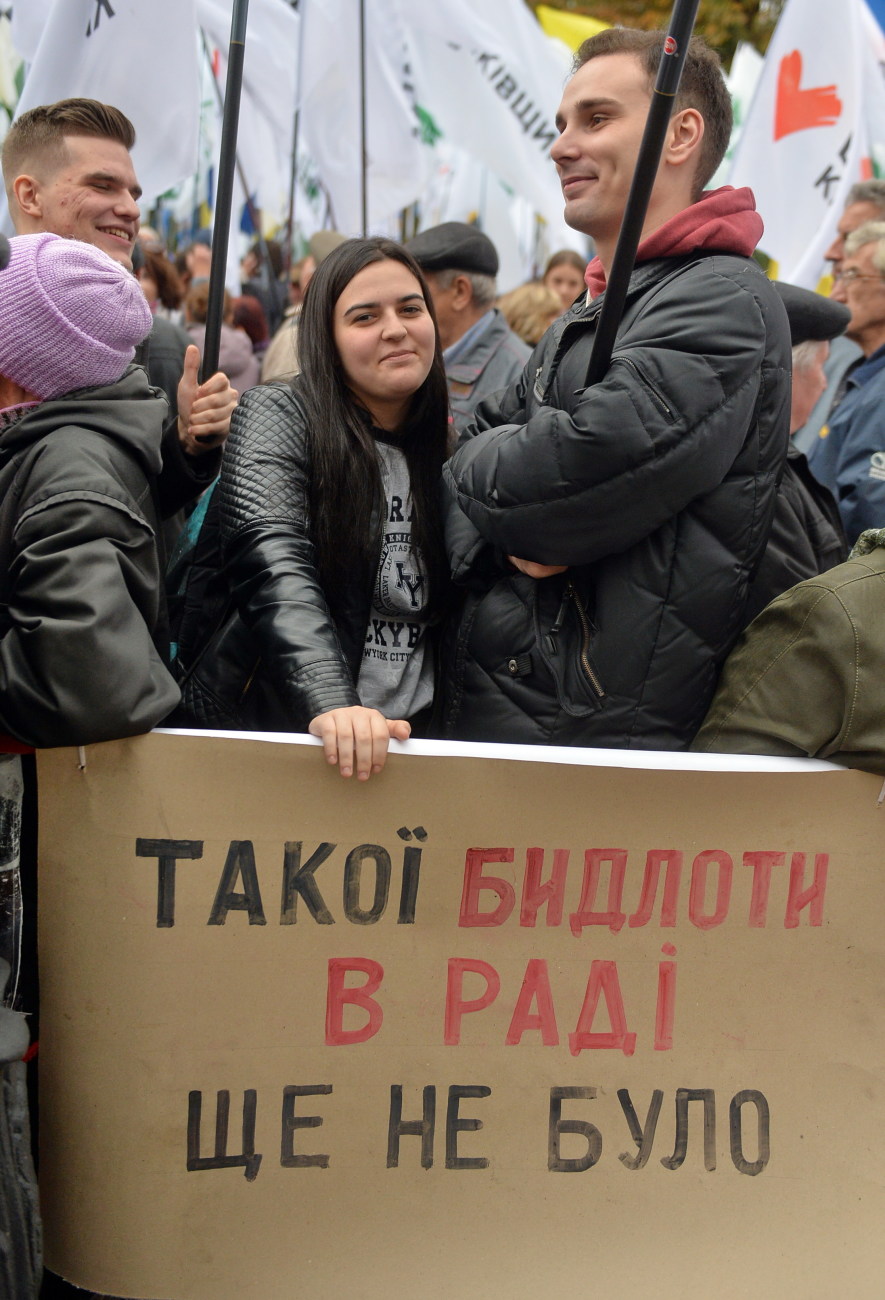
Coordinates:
[82,618]
[82,631]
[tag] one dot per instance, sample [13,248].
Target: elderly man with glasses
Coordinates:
[865,202]
[849,456]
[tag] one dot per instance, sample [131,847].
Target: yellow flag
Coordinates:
[573,29]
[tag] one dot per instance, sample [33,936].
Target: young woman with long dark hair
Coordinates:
[329,509]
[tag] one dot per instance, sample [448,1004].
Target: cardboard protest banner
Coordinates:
[515,1028]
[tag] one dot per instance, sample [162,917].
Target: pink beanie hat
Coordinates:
[70,316]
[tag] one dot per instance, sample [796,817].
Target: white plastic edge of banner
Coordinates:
[654,760]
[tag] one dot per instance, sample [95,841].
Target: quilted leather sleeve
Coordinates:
[264,474]
[269,556]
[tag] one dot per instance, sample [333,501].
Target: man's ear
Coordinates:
[684,138]
[26,191]
[462,292]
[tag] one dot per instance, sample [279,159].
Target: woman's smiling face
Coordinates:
[385,338]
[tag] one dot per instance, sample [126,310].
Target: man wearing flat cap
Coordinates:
[806,536]
[481,353]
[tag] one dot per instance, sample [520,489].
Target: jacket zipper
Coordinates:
[659,399]
[569,594]
[573,327]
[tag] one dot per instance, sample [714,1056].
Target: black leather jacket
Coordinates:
[309,658]
[656,487]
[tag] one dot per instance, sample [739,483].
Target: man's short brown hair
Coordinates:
[38,136]
[702,85]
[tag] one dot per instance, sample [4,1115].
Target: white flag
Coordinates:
[463,189]
[267,106]
[398,161]
[742,80]
[873,98]
[28,21]
[491,81]
[806,139]
[10,64]
[139,55]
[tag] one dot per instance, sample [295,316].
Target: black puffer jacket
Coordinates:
[83,635]
[307,657]
[656,487]
[806,539]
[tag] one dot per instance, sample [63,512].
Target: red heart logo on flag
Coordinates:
[798,110]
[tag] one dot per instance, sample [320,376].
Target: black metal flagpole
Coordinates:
[253,211]
[663,98]
[224,190]
[364,157]
[296,127]
[241,173]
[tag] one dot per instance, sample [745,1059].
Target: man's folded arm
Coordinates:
[662,428]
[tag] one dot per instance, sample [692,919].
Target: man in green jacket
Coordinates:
[806,678]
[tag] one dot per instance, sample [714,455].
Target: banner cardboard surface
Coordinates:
[507,1029]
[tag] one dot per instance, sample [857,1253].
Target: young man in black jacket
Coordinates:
[607,536]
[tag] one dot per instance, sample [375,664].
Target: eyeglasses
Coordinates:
[849,276]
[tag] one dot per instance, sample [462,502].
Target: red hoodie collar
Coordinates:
[725,219]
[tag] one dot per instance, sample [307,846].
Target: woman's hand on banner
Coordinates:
[357,738]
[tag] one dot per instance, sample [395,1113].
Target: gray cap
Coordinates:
[811,316]
[454,246]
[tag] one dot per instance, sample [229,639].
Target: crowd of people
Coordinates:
[422,520]
[425,518]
